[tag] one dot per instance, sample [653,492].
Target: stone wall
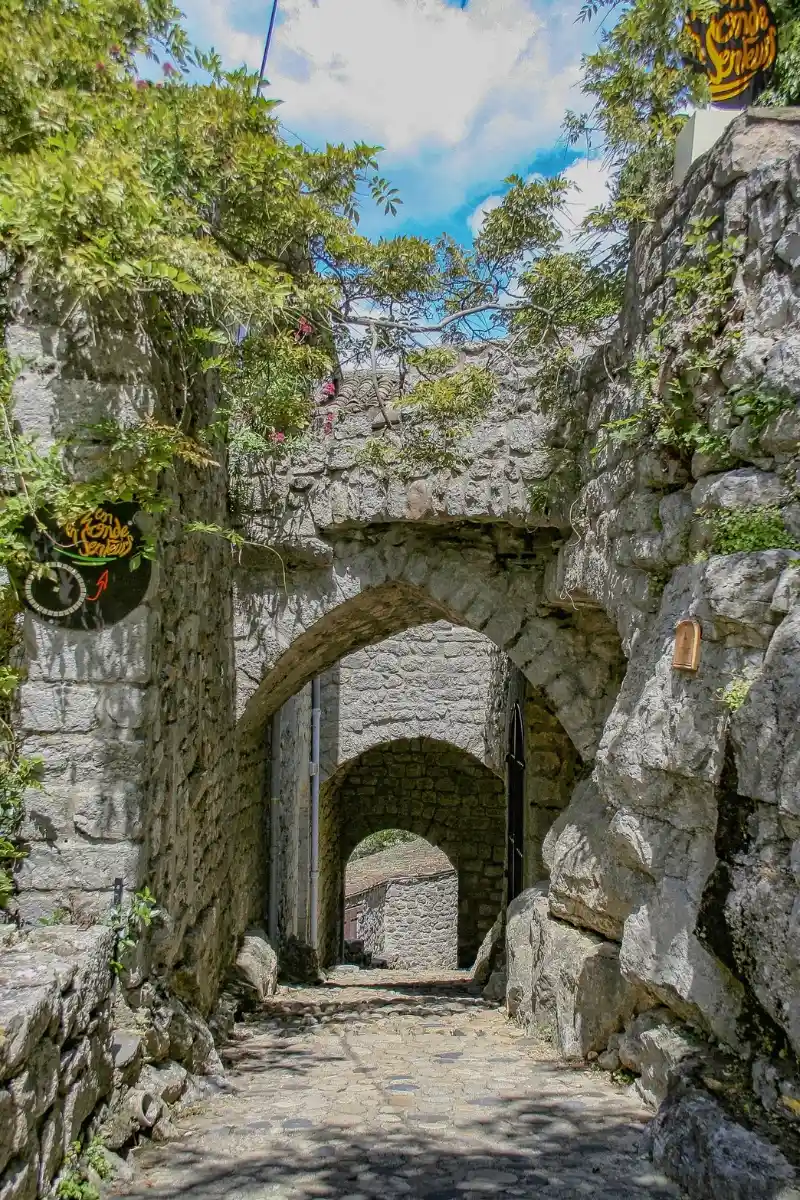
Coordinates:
[55,1050]
[552,766]
[135,723]
[680,851]
[370,917]
[421,923]
[433,681]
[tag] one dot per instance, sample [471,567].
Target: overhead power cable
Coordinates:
[266,46]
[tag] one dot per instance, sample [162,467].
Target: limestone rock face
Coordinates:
[652,1045]
[712,1157]
[564,983]
[594,879]
[519,953]
[659,770]
[55,1048]
[487,955]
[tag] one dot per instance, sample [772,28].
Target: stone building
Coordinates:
[401,905]
[485,658]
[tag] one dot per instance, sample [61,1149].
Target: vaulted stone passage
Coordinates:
[429,788]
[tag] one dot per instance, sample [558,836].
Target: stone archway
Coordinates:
[396,577]
[429,788]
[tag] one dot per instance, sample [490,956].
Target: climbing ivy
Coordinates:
[441,410]
[747,529]
[691,339]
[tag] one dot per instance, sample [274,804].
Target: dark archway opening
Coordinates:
[435,791]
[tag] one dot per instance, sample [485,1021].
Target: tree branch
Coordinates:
[408,327]
[375,383]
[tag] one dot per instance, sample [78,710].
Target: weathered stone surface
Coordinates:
[407,919]
[255,971]
[496,987]
[519,954]
[298,962]
[711,1157]
[578,991]
[491,945]
[593,881]
[55,984]
[652,1045]
[562,982]
[25,1014]
[168,1082]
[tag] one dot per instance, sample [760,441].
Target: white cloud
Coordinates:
[589,182]
[476,219]
[458,95]
[590,179]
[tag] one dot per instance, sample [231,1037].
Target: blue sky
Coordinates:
[459,98]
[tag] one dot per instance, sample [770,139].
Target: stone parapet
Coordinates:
[55,1049]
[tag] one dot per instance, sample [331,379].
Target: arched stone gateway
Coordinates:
[434,790]
[490,579]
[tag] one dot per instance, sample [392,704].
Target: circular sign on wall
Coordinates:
[89,572]
[735,47]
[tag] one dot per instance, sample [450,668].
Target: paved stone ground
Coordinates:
[400,1085]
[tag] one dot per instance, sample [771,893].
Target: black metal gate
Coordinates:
[515,760]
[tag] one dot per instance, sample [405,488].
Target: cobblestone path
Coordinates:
[392,1085]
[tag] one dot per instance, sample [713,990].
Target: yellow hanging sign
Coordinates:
[739,42]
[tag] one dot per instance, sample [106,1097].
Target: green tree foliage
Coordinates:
[116,187]
[384,839]
[641,84]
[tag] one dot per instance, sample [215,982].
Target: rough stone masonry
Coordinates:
[663,935]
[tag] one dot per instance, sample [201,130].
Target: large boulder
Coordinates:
[593,882]
[712,1157]
[653,1044]
[254,975]
[762,908]
[660,767]
[564,983]
[519,959]
[488,954]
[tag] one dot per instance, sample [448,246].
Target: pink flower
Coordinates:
[303,330]
[142,85]
[277,436]
[168,69]
[329,388]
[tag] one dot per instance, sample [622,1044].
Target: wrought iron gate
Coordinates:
[515,760]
